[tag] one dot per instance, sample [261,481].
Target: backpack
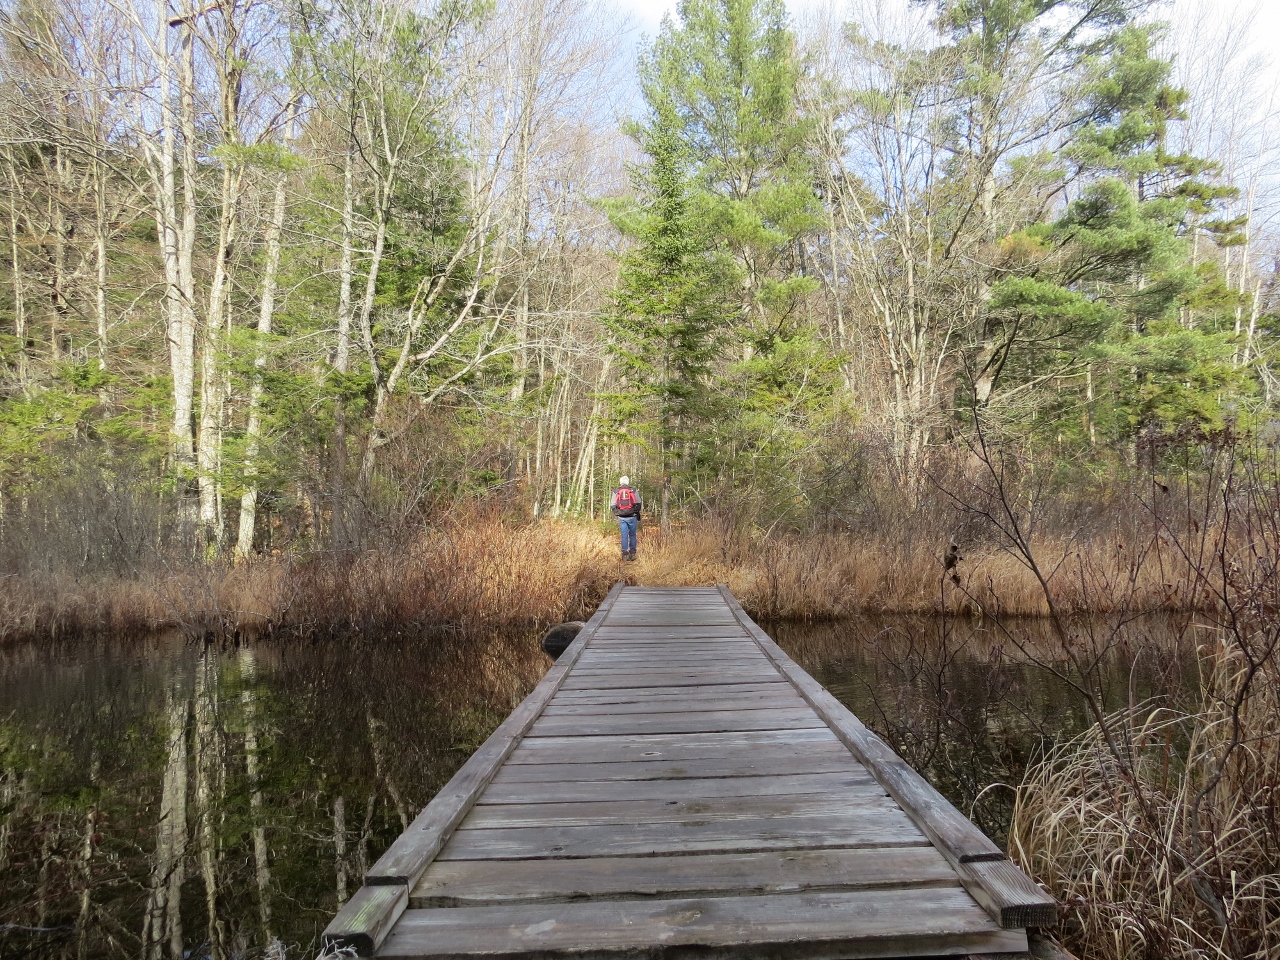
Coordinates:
[626,501]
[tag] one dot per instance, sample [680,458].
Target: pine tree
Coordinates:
[731,75]
[671,309]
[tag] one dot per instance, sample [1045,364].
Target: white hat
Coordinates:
[624,481]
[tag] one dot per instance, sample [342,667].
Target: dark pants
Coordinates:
[627,527]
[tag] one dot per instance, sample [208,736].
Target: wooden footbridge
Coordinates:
[677,787]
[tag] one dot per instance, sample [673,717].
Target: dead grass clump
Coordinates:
[834,575]
[472,573]
[1176,852]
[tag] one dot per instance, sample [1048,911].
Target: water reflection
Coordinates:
[169,802]
[970,703]
[161,801]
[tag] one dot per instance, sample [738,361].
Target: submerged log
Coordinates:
[557,639]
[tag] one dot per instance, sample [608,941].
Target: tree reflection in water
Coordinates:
[164,801]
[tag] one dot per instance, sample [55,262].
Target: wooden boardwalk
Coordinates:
[677,787]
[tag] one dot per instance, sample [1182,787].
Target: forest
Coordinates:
[286,277]
[329,326]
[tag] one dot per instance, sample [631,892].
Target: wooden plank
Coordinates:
[647,666]
[365,920]
[774,762]
[853,784]
[1008,894]
[649,652]
[644,694]
[667,656]
[666,746]
[664,614]
[709,671]
[649,648]
[815,926]
[629,654]
[881,827]
[723,633]
[677,603]
[605,681]
[480,882]
[502,816]
[711,721]
[720,623]
[653,705]
[407,857]
[655,648]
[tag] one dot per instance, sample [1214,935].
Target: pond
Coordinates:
[163,799]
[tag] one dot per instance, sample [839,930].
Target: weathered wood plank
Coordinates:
[726,633]
[643,694]
[712,721]
[668,746]
[645,667]
[482,882]
[365,920]
[655,652]
[692,650]
[704,672]
[881,827]
[1009,895]
[773,762]
[408,856]
[668,617]
[707,663]
[738,653]
[815,926]
[691,679]
[850,785]
[700,809]
[653,705]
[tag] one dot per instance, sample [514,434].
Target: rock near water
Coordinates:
[558,638]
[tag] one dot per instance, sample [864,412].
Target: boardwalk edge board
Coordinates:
[1011,897]
[366,919]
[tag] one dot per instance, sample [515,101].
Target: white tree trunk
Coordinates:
[162,922]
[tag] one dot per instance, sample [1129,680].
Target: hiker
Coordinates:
[625,505]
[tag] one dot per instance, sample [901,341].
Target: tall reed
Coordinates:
[1172,851]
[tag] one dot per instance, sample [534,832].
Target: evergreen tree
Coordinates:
[671,309]
[1090,301]
[725,80]
[730,73]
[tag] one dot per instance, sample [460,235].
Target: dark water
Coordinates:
[164,800]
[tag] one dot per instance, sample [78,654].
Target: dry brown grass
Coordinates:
[1159,827]
[829,576]
[477,571]
[1173,854]
[472,573]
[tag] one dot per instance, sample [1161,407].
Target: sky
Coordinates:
[647,15]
